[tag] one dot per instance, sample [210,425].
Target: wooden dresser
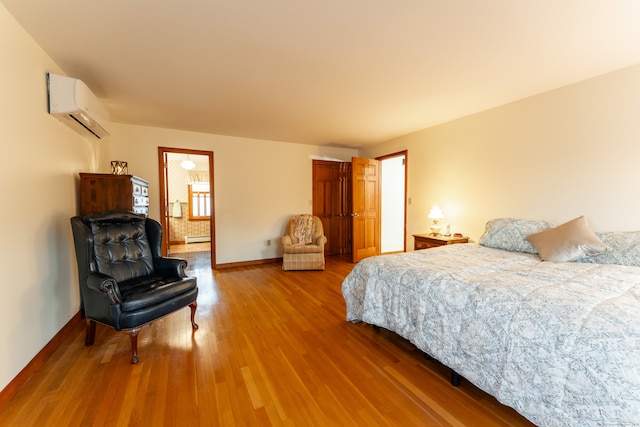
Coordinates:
[101,192]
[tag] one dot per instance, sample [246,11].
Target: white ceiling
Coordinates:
[329,72]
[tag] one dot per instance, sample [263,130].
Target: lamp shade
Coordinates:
[436,213]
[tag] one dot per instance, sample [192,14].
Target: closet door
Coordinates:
[332,203]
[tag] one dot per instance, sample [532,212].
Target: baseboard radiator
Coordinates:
[197,239]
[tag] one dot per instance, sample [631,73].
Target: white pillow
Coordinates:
[510,234]
[570,241]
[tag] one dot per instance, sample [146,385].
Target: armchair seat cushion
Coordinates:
[133,319]
[303,249]
[147,291]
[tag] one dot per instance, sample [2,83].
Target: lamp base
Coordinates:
[435,230]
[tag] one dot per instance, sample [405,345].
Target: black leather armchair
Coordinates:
[125,282]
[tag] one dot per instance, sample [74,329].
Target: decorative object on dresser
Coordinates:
[425,241]
[108,192]
[435,214]
[119,167]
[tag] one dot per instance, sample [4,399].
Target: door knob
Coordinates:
[355,214]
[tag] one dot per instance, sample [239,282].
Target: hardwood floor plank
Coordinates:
[273,349]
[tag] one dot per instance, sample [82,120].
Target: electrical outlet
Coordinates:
[269,242]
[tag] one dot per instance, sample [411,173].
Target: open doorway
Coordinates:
[393,170]
[187,205]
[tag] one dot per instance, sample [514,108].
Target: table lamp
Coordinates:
[435,214]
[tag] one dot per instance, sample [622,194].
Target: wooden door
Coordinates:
[365,193]
[164,202]
[342,208]
[332,203]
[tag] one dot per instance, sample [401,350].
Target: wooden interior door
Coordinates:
[365,194]
[332,203]
[164,201]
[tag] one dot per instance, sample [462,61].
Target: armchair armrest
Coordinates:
[321,241]
[104,284]
[171,267]
[286,240]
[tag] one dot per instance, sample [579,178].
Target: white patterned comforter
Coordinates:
[559,342]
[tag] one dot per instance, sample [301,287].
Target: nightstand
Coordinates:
[425,241]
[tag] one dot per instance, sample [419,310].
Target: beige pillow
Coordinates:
[568,242]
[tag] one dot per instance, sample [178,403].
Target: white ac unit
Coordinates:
[72,102]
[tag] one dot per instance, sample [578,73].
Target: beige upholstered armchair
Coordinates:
[303,244]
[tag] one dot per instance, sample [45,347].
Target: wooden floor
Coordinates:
[180,248]
[273,348]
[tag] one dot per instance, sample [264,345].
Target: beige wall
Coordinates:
[40,162]
[258,185]
[554,156]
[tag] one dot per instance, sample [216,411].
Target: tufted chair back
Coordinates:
[120,245]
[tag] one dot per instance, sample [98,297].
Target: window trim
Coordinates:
[207,197]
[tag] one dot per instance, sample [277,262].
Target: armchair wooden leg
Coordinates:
[133,334]
[193,308]
[90,334]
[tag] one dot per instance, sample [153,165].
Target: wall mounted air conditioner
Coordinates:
[72,102]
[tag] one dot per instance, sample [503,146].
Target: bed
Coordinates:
[559,341]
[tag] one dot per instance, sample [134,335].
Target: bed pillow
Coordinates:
[510,234]
[625,249]
[570,241]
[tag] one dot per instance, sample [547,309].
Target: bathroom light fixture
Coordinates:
[435,214]
[187,164]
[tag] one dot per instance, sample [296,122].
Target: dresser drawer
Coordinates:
[422,244]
